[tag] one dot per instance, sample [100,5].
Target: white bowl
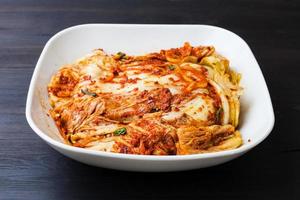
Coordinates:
[257,116]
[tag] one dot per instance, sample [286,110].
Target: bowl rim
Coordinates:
[60,145]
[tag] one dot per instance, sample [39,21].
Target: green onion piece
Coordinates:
[120,55]
[218,115]
[171,67]
[87,92]
[121,131]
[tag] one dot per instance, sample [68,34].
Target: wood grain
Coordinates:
[30,169]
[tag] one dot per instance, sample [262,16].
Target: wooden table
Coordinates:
[30,169]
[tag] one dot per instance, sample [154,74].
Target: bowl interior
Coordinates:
[257,116]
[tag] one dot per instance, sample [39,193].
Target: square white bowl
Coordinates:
[257,116]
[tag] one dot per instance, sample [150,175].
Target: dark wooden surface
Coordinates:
[30,169]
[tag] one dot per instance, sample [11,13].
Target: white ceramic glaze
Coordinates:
[257,117]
